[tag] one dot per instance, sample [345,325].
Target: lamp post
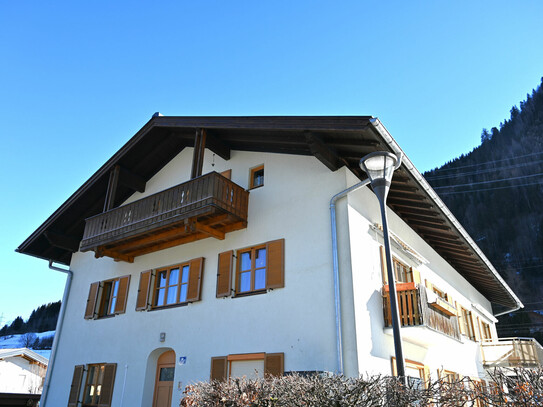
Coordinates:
[380,167]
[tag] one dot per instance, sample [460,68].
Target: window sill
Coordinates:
[181,304]
[249,293]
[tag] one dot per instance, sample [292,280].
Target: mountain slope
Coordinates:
[496,192]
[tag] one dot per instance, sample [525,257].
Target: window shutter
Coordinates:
[122,295]
[274,364]
[383,265]
[224,274]
[91,301]
[195,279]
[218,368]
[461,321]
[107,385]
[275,272]
[416,276]
[143,290]
[75,388]
[477,329]
[427,376]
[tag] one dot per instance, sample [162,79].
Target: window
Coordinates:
[440,294]
[169,286]
[449,376]
[416,373]
[258,268]
[251,272]
[107,298]
[256,177]
[466,323]
[250,365]
[403,273]
[485,331]
[98,382]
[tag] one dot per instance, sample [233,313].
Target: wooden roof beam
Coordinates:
[131,180]
[323,153]
[422,218]
[218,146]
[428,225]
[62,241]
[408,204]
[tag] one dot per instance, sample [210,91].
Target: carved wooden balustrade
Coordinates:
[415,310]
[207,206]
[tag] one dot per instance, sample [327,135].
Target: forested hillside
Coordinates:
[42,319]
[496,192]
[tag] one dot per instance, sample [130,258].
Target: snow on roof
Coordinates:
[23,352]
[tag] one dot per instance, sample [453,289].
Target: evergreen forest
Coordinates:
[42,319]
[496,192]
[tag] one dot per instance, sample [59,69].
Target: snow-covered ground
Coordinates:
[14,341]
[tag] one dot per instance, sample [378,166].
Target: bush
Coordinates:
[508,388]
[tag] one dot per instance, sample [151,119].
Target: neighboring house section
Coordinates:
[21,371]
[202,249]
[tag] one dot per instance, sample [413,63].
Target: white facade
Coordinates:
[21,371]
[297,320]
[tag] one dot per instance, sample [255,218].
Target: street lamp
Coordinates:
[380,167]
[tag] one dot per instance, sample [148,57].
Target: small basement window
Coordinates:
[256,177]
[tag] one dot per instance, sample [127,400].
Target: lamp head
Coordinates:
[380,166]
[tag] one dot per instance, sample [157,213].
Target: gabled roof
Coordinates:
[25,353]
[336,141]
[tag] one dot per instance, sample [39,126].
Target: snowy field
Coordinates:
[14,341]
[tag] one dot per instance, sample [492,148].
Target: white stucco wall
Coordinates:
[18,375]
[298,319]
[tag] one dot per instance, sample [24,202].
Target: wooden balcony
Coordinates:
[416,311]
[512,352]
[207,206]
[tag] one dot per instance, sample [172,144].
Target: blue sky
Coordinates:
[78,79]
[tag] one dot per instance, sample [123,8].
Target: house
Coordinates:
[21,371]
[203,249]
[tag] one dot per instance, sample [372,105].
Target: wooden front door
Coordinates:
[165,370]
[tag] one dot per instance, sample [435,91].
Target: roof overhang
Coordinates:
[336,141]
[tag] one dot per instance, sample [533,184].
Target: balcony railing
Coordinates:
[210,205]
[512,352]
[415,310]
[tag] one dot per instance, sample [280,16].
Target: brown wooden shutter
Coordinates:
[274,364]
[224,274]
[107,385]
[75,388]
[195,279]
[416,276]
[219,368]
[143,290]
[383,265]
[122,295]
[275,272]
[91,301]
[477,329]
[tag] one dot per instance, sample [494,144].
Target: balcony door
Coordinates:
[165,371]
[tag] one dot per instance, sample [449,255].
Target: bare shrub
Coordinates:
[507,388]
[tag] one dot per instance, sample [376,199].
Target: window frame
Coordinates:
[486,332]
[252,250]
[408,271]
[467,322]
[96,382]
[180,283]
[106,299]
[253,175]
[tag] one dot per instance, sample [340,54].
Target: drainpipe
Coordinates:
[51,365]
[339,338]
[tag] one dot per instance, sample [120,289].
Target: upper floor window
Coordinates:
[466,323]
[485,331]
[256,177]
[168,286]
[251,273]
[171,285]
[257,269]
[402,272]
[107,298]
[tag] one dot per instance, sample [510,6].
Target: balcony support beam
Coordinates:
[198,154]
[112,188]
